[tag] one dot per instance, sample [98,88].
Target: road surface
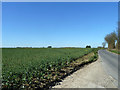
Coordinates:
[110,64]
[100,74]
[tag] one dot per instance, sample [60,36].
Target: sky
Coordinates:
[59,24]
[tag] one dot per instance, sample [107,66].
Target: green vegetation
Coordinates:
[35,67]
[115,51]
[95,57]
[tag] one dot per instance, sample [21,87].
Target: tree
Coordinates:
[110,39]
[118,37]
[104,44]
[88,46]
[49,46]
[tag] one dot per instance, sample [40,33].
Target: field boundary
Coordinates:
[77,67]
[113,52]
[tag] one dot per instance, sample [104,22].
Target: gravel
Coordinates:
[90,76]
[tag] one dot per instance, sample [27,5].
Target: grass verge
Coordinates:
[114,51]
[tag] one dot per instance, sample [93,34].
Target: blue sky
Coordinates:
[59,24]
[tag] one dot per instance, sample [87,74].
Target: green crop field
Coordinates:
[23,66]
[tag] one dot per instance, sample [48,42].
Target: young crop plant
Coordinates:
[35,67]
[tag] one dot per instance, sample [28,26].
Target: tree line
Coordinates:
[113,37]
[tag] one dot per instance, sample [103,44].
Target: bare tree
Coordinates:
[104,44]
[118,36]
[110,39]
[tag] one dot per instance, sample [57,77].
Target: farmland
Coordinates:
[33,67]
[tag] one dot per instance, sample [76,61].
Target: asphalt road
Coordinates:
[110,64]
